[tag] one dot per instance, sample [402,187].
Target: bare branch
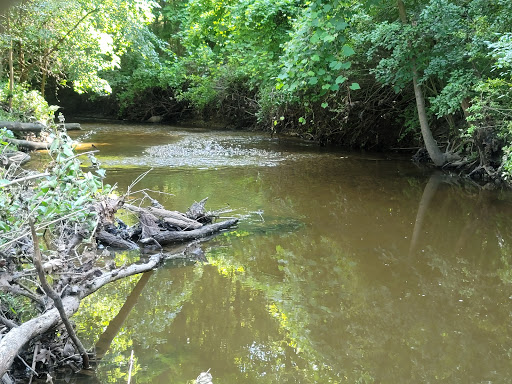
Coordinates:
[26,178]
[55,297]
[8,323]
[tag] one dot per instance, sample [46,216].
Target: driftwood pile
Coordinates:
[79,274]
[157,227]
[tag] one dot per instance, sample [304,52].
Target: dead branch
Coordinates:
[26,178]
[55,297]
[169,237]
[121,273]
[115,241]
[17,337]
[6,287]
[8,323]
[27,144]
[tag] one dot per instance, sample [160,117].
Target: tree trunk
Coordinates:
[433,150]
[31,145]
[43,84]
[34,127]
[438,157]
[11,65]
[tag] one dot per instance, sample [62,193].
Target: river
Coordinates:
[346,267]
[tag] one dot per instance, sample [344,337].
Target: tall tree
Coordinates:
[439,158]
[73,41]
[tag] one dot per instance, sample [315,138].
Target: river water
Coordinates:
[345,268]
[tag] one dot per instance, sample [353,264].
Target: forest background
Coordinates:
[373,74]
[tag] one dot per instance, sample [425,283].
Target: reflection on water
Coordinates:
[346,268]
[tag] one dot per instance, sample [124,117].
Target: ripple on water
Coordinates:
[209,152]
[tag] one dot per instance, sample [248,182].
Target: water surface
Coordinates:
[345,268]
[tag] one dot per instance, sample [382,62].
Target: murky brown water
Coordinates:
[346,268]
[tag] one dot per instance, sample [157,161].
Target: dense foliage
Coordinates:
[355,73]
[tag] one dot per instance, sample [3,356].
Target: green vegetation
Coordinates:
[372,74]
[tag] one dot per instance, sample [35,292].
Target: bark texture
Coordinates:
[439,158]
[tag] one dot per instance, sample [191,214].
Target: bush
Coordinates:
[27,105]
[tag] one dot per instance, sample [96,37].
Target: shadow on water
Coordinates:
[346,268]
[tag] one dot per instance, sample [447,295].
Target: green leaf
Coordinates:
[347,50]
[340,79]
[313,80]
[328,38]
[324,105]
[341,25]
[315,57]
[354,86]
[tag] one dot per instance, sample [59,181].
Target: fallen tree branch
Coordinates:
[169,237]
[55,297]
[13,158]
[25,127]
[109,239]
[26,178]
[121,273]
[17,337]
[27,144]
[76,286]
[34,127]
[174,218]
[8,323]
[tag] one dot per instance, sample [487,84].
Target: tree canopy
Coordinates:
[347,72]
